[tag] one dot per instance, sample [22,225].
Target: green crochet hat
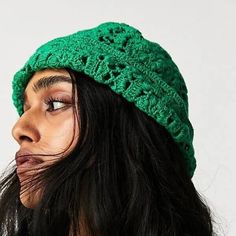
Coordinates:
[117,55]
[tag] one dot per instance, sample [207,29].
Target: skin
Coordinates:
[35,129]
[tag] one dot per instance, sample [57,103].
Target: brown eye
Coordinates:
[56,104]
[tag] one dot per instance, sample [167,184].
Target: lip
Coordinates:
[25,158]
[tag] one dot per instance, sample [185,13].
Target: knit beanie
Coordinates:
[117,55]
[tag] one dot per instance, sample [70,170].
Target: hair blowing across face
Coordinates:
[125,177]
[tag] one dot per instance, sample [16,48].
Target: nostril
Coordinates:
[25,138]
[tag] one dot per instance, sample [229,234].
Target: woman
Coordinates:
[105,141]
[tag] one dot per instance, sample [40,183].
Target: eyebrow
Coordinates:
[47,82]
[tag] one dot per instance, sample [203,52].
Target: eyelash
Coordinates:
[50,100]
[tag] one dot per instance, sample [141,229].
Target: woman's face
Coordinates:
[46,127]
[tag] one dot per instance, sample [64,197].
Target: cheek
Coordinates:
[59,134]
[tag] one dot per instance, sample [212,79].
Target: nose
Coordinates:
[25,129]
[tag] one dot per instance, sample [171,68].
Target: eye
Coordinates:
[55,104]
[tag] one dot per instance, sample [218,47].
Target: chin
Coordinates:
[30,199]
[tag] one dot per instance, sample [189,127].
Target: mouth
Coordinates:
[26,161]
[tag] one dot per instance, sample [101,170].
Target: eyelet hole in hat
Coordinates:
[121,66]
[177,133]
[142,93]
[122,49]
[116,73]
[84,59]
[169,120]
[101,57]
[187,147]
[106,77]
[127,84]
[101,39]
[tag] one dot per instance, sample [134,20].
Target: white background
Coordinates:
[201,38]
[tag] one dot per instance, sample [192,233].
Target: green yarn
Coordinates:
[117,55]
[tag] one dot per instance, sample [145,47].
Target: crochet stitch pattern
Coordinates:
[117,55]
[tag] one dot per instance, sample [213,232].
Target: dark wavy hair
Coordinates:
[126,176]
